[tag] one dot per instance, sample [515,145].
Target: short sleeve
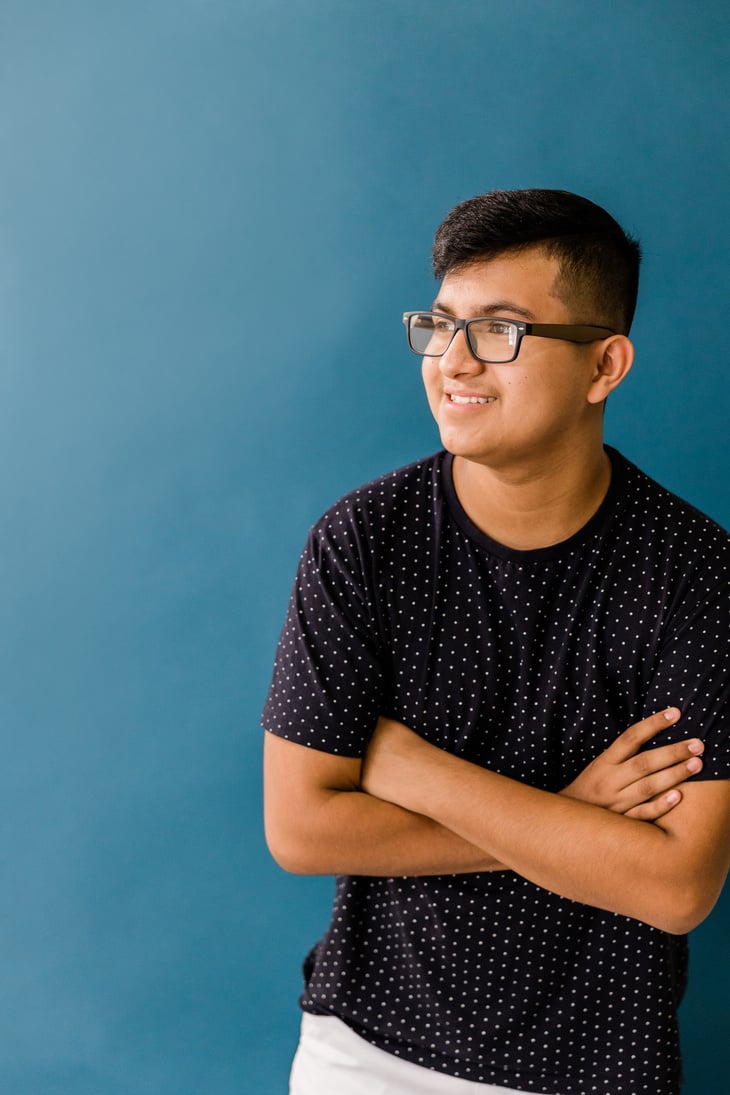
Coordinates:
[693,667]
[328,680]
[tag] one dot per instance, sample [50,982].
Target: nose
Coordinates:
[458,358]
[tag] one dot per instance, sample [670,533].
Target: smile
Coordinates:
[471,399]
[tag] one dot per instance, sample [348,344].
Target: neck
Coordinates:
[535,507]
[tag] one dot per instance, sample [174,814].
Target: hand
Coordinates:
[644,785]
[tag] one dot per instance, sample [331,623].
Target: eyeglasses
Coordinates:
[491,339]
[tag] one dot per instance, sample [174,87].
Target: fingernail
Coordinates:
[673,798]
[696,747]
[694,765]
[671,713]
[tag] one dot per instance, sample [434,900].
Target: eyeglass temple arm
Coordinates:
[569,332]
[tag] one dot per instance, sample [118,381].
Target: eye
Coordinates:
[499,327]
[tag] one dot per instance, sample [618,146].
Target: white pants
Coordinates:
[333,1060]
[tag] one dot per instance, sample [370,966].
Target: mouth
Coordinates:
[462,400]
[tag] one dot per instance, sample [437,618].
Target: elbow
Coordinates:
[290,851]
[280,852]
[282,849]
[677,924]
[685,908]
[689,919]
[291,861]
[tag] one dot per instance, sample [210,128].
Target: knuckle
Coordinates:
[601,789]
[644,763]
[645,786]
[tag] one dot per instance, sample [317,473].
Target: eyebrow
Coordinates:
[494,308]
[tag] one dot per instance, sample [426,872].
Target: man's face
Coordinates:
[537,405]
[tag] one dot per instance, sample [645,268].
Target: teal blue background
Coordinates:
[212,214]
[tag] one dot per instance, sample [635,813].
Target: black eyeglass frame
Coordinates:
[566,332]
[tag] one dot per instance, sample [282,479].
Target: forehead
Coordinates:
[521,283]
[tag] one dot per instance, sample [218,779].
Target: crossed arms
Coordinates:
[622,836]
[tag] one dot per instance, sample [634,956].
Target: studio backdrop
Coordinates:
[212,215]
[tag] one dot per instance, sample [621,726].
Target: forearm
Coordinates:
[320,821]
[583,852]
[351,832]
[572,848]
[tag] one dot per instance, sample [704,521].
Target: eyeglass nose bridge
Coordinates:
[461,325]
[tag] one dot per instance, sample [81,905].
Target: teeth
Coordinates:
[471,399]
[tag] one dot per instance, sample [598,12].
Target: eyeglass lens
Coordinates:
[491,339]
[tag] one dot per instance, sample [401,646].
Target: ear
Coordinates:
[613,363]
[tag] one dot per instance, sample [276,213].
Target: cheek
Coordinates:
[431,380]
[533,388]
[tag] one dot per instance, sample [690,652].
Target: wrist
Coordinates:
[396,764]
[428,765]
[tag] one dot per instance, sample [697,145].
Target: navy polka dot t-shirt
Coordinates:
[529,663]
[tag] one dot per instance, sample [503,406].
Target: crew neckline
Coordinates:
[592,526]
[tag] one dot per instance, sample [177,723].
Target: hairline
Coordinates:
[561,283]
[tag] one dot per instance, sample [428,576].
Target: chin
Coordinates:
[460,446]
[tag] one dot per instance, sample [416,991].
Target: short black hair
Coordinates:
[599,262]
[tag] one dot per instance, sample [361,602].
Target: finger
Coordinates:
[656,807]
[629,743]
[655,760]
[647,788]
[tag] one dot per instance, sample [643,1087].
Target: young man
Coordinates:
[467,642]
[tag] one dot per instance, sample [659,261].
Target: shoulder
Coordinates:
[353,548]
[663,518]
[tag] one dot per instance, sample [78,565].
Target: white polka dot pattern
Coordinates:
[529,663]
